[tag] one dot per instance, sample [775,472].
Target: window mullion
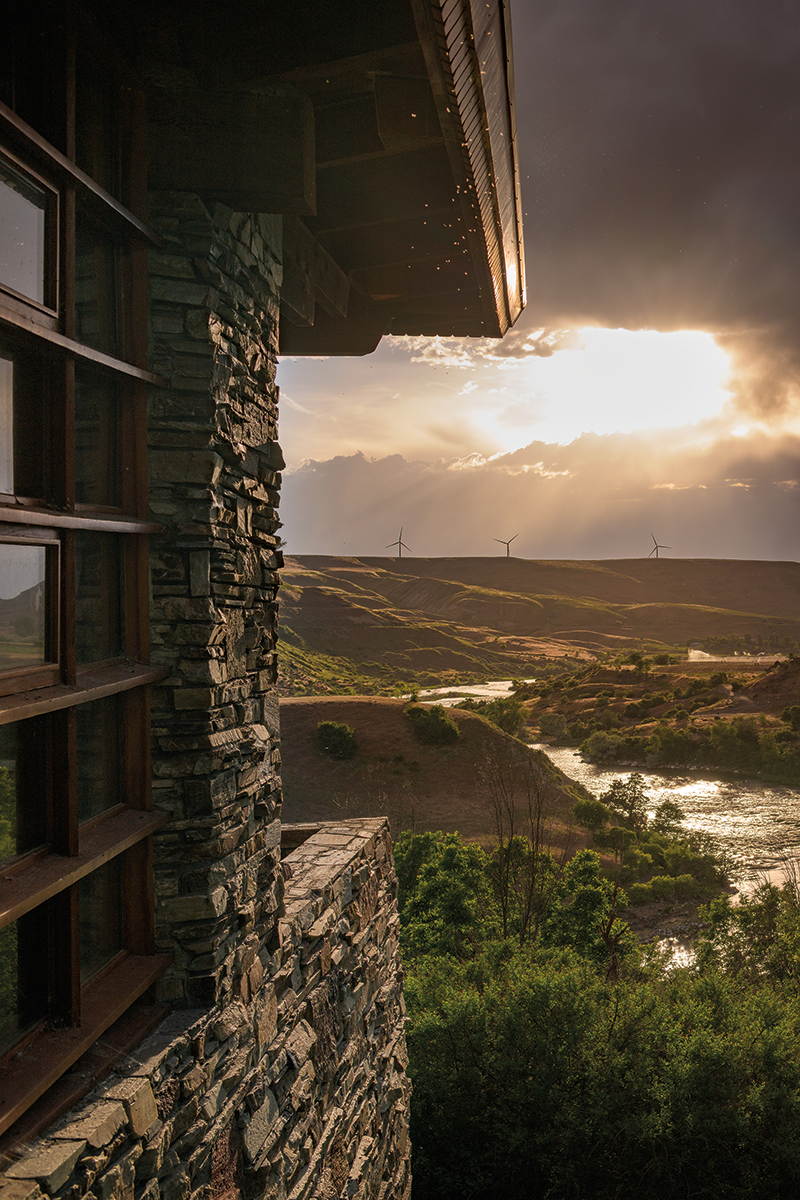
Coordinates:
[65,796]
[68,648]
[66,979]
[68,253]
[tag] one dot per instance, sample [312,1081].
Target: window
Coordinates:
[76,822]
[27,235]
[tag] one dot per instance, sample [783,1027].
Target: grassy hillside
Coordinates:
[418,786]
[365,624]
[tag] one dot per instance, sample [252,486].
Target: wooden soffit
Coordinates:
[385,130]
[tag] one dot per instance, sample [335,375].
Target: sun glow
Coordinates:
[624,381]
[432,398]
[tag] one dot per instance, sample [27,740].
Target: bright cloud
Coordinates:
[410,396]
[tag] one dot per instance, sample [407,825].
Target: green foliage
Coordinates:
[602,747]
[8,814]
[432,725]
[506,712]
[667,817]
[617,838]
[554,1069]
[553,725]
[443,889]
[791,714]
[756,939]
[337,739]
[591,814]
[735,745]
[533,1076]
[627,799]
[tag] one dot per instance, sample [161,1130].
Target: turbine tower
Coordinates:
[657,547]
[400,545]
[506,544]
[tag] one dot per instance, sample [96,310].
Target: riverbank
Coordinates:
[756,824]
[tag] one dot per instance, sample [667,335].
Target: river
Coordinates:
[757,824]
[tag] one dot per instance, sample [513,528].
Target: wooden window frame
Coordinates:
[18,679]
[45,312]
[48,878]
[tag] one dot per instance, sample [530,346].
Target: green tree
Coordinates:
[445,894]
[628,800]
[667,817]
[601,746]
[506,712]
[553,725]
[590,813]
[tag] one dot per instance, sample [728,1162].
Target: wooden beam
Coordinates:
[310,276]
[254,152]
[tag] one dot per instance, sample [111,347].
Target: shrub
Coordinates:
[337,739]
[432,725]
[601,746]
[590,813]
[662,888]
[553,725]
[506,712]
[791,714]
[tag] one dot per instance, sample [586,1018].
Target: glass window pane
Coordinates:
[98,632]
[24,379]
[23,787]
[6,425]
[99,728]
[101,918]
[95,441]
[23,208]
[22,605]
[23,975]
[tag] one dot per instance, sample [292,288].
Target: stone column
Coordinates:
[214,480]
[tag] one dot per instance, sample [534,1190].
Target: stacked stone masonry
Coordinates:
[281,1071]
[214,479]
[297,1091]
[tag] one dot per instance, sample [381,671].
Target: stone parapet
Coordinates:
[294,1089]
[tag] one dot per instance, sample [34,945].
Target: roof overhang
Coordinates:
[384,132]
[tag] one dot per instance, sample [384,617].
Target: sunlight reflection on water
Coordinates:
[758,824]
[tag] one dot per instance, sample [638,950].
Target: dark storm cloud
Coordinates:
[661,138]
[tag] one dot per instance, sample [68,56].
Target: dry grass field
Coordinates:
[498,617]
[418,786]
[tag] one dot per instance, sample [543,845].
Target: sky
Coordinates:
[652,386]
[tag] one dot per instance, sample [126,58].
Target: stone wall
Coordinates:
[281,1070]
[298,1093]
[214,463]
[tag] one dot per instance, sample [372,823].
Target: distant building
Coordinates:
[185,193]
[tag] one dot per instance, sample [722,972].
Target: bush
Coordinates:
[432,725]
[601,746]
[553,725]
[791,714]
[591,814]
[506,712]
[337,739]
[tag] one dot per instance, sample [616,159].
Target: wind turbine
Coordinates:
[400,545]
[506,544]
[657,547]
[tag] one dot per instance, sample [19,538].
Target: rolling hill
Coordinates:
[381,618]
